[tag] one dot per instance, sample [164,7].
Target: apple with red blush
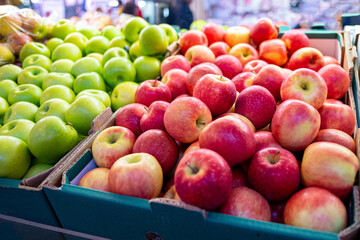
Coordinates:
[191,38]
[174,62]
[243,80]
[265,139]
[306,57]
[336,136]
[337,80]
[96,179]
[214,32]
[263,29]
[229,65]
[295,39]
[254,66]
[273,51]
[154,117]
[219,48]
[150,91]
[237,34]
[199,54]
[241,117]
[197,72]
[330,60]
[130,116]
[244,52]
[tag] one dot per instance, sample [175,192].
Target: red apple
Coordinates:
[214,32]
[231,137]
[307,57]
[191,38]
[239,177]
[97,179]
[295,39]
[263,29]
[317,209]
[264,139]
[254,66]
[203,179]
[174,62]
[111,144]
[241,117]
[336,79]
[237,34]
[275,173]
[175,79]
[199,54]
[197,72]
[246,203]
[229,65]
[273,51]
[243,80]
[336,136]
[172,194]
[194,146]
[295,124]
[154,117]
[130,115]
[219,48]
[330,60]
[244,52]
[185,118]
[257,104]
[150,91]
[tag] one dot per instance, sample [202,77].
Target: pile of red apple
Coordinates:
[242,123]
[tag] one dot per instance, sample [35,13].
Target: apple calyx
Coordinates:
[303,86]
[200,123]
[275,158]
[194,169]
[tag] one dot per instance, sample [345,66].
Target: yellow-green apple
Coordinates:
[295,124]
[114,52]
[57,91]
[197,72]
[62,66]
[5,87]
[135,51]
[270,77]
[214,32]
[137,175]
[130,116]
[36,169]
[239,177]
[322,211]
[237,34]
[111,144]
[52,43]
[154,117]
[82,112]
[199,54]
[119,42]
[265,139]
[117,70]
[330,60]
[17,40]
[231,137]
[243,80]
[62,28]
[336,136]
[111,32]
[153,41]
[257,104]
[305,85]
[241,117]
[89,31]
[86,65]
[337,80]
[229,65]
[96,179]
[97,56]
[19,128]
[175,79]
[219,48]
[197,24]
[192,147]
[273,51]
[6,55]
[99,94]
[307,57]
[337,115]
[20,110]
[150,91]
[274,173]
[147,68]
[4,106]
[133,27]
[32,75]
[295,39]
[191,38]
[123,94]
[15,157]
[10,72]
[51,138]
[254,66]
[170,32]
[160,145]
[33,48]
[58,78]
[185,118]
[10,22]
[203,178]
[90,80]
[330,166]
[52,107]
[263,29]
[217,92]
[37,60]
[245,202]
[66,51]
[174,62]
[78,39]
[25,92]
[244,52]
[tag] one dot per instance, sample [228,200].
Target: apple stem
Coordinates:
[274,159]
[146,109]
[193,169]
[69,124]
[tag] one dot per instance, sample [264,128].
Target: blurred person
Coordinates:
[181,14]
[129,11]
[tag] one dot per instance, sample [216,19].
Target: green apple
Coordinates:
[119,42]
[66,51]
[123,94]
[97,56]
[97,44]
[37,169]
[171,33]
[51,138]
[111,32]
[58,78]
[9,71]
[52,107]
[6,55]
[19,128]
[33,48]
[15,157]
[118,70]
[4,106]
[86,65]
[53,43]
[147,68]
[5,87]
[89,31]
[99,94]
[35,27]
[25,92]
[133,27]
[62,66]
[82,112]
[153,41]
[197,25]
[78,39]
[20,110]
[33,75]
[58,91]
[37,60]
[135,51]
[114,52]
[90,80]
[63,28]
